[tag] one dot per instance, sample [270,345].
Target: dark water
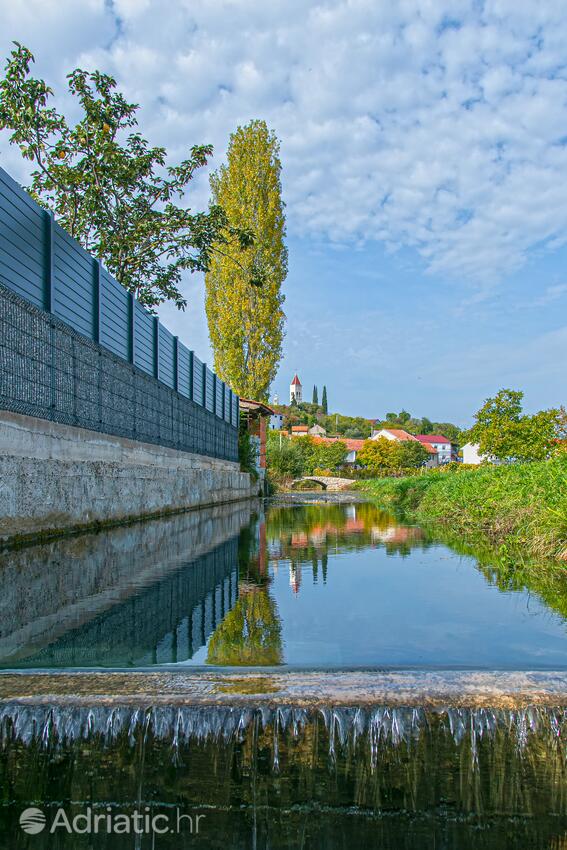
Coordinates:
[307,584]
[304,584]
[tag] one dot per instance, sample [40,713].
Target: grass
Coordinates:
[521,507]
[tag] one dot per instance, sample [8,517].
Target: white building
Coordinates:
[295,391]
[472,455]
[276,421]
[446,452]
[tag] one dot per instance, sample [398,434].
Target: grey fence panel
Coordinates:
[49,370]
[219,398]
[184,370]
[227,403]
[143,339]
[22,241]
[166,366]
[209,389]
[198,387]
[114,326]
[73,283]
[42,264]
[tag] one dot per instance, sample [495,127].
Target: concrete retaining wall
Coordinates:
[56,478]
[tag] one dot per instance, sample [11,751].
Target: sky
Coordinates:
[424,164]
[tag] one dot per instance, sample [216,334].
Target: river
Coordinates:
[305,586]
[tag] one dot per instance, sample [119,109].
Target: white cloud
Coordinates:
[435,125]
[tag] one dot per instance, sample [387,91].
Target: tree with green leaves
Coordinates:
[377,454]
[108,187]
[324,402]
[503,432]
[246,323]
[315,395]
[383,454]
[410,454]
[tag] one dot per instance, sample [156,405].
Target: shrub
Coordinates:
[285,458]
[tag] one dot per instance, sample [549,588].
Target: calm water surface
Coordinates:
[308,584]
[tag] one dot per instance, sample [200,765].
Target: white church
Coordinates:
[295,391]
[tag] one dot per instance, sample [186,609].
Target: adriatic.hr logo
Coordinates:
[91,821]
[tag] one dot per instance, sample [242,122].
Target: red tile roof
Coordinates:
[432,438]
[300,429]
[399,433]
[352,445]
[296,381]
[428,448]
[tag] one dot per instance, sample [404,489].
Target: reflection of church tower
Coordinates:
[295,577]
[295,390]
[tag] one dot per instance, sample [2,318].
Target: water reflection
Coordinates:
[308,583]
[145,594]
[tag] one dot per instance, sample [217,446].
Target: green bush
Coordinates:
[284,457]
[246,452]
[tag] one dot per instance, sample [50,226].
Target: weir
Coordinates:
[341,776]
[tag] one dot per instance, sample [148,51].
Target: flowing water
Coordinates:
[311,583]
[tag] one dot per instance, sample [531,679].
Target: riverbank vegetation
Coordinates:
[290,458]
[520,507]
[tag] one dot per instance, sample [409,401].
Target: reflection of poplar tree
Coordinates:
[249,634]
[324,562]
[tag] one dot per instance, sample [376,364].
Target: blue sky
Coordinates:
[424,151]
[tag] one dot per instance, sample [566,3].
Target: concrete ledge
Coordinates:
[56,478]
[423,688]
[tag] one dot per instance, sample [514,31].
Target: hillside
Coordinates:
[359,427]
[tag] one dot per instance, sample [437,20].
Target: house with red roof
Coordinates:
[400,436]
[397,434]
[445,450]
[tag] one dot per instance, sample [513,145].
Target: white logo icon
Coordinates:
[32,821]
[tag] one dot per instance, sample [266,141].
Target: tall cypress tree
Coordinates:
[315,395]
[246,321]
[324,404]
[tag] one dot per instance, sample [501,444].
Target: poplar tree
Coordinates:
[243,298]
[324,404]
[315,395]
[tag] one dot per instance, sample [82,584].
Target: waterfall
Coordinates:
[376,728]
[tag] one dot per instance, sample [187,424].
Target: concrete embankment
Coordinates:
[56,478]
[423,688]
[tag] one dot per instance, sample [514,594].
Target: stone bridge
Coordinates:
[323,482]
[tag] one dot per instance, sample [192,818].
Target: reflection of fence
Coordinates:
[157,389]
[164,623]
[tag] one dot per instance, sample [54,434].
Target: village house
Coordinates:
[317,431]
[276,422]
[401,436]
[446,451]
[306,431]
[397,434]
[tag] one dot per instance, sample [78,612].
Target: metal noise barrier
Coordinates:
[49,370]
